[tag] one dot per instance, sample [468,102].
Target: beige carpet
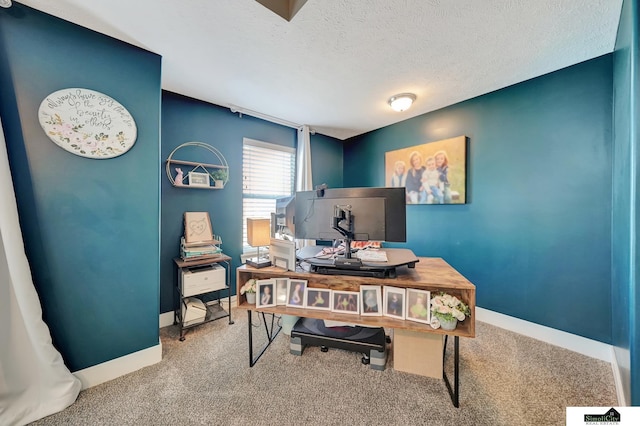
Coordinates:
[505,379]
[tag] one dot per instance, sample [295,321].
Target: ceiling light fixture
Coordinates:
[401,102]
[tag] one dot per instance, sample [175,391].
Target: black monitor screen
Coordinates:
[377,214]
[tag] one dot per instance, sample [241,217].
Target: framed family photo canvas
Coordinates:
[371,296]
[418,307]
[317,298]
[431,173]
[394,304]
[345,302]
[265,291]
[295,293]
[281,290]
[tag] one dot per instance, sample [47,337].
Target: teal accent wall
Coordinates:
[90,227]
[186,120]
[625,203]
[326,159]
[535,236]
[548,234]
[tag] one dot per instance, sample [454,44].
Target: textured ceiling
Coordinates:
[338,61]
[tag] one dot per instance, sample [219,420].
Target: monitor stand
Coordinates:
[345,266]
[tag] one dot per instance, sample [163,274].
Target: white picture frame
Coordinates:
[371,297]
[197,228]
[295,293]
[282,287]
[345,302]
[317,298]
[199,179]
[265,291]
[418,305]
[282,253]
[394,302]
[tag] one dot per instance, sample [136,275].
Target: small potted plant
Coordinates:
[447,310]
[249,291]
[219,177]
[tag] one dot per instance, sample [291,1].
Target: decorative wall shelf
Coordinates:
[198,175]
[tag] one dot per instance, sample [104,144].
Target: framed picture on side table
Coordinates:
[295,293]
[281,290]
[394,304]
[265,290]
[317,298]
[418,305]
[197,228]
[371,296]
[345,302]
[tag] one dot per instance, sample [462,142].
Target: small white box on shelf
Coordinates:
[202,279]
[193,311]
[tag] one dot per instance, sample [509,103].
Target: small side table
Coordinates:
[215,311]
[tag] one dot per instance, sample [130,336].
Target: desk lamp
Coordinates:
[258,234]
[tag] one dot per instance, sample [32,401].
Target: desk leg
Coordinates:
[271,335]
[455,392]
[228,274]
[229,301]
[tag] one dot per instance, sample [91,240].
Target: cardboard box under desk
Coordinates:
[418,353]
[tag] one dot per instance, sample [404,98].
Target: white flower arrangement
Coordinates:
[248,287]
[446,307]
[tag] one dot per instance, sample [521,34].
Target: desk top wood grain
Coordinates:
[429,273]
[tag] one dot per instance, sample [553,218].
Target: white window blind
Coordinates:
[268,173]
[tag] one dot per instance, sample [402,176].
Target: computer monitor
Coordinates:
[353,214]
[377,214]
[284,217]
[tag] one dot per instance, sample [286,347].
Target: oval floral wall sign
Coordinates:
[87,123]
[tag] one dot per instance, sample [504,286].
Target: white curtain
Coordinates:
[303,183]
[304,180]
[303,160]
[34,382]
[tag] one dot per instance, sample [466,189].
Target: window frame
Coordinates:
[247,250]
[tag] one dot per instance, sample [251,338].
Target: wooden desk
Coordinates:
[432,274]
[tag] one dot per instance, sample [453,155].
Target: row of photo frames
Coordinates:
[372,300]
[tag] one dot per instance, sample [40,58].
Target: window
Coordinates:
[268,173]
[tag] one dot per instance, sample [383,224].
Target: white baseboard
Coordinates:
[617,379]
[166,319]
[572,342]
[115,368]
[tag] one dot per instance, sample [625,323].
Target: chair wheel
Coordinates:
[324,349]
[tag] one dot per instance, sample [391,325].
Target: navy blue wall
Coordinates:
[90,226]
[326,159]
[535,236]
[625,201]
[185,120]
